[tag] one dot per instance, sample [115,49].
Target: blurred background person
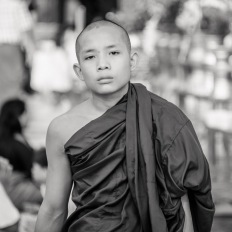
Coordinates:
[26,85]
[50,75]
[14,147]
[9,215]
[15,33]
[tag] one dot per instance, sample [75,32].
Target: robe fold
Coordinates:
[131,166]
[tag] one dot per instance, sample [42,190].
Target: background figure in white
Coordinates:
[15,32]
[51,71]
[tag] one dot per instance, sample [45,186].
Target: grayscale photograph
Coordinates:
[115,115]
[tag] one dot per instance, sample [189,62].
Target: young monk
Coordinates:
[130,155]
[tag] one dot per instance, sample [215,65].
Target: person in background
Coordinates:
[16,25]
[130,155]
[9,215]
[14,147]
[26,85]
[13,144]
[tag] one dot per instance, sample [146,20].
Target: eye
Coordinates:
[89,57]
[114,53]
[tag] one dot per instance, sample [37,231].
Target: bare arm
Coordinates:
[188,224]
[53,211]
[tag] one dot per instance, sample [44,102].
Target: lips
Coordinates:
[105,80]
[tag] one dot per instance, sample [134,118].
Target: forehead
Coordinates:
[103,35]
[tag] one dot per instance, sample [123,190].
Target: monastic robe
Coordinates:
[132,165]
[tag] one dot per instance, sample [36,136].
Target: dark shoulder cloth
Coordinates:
[164,162]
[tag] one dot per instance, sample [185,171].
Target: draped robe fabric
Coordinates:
[132,165]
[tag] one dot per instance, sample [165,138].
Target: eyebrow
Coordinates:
[93,50]
[113,46]
[88,51]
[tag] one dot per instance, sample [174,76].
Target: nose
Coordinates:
[103,63]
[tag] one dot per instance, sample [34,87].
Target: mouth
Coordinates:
[105,79]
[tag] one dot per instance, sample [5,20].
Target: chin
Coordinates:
[113,90]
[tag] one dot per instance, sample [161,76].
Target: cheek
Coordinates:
[126,63]
[124,67]
[88,73]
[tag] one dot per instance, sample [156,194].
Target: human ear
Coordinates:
[134,60]
[77,70]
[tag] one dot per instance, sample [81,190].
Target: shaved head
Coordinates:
[103,23]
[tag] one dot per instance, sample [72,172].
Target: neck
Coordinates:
[102,103]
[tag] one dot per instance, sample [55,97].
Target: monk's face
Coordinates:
[105,61]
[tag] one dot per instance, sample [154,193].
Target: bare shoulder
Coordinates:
[64,126]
